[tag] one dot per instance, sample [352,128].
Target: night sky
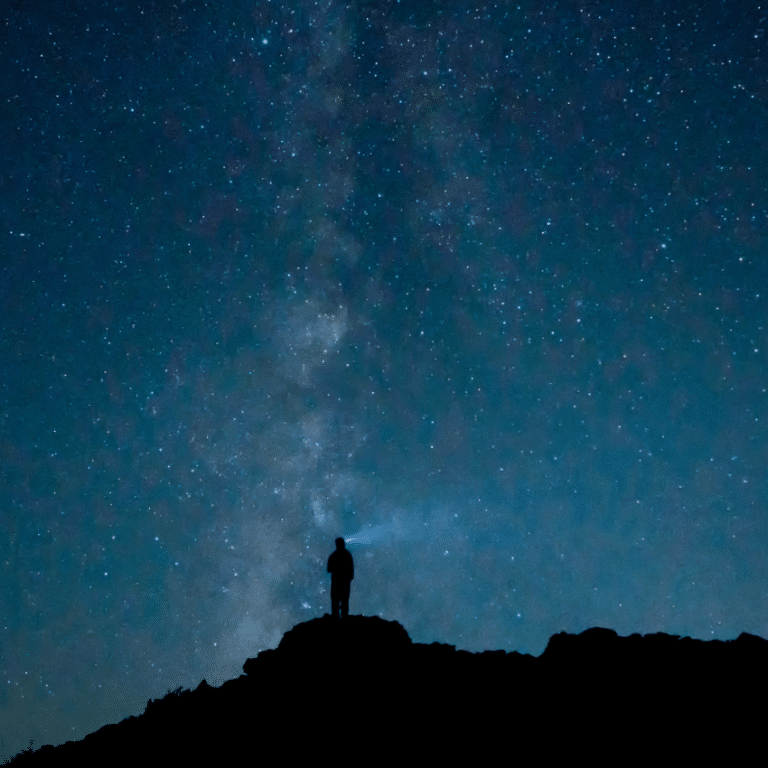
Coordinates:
[481,287]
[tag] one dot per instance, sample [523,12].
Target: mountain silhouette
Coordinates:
[358,689]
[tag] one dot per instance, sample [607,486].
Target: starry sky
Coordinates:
[481,287]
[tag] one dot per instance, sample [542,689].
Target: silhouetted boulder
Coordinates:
[359,687]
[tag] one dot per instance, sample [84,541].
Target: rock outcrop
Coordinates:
[358,688]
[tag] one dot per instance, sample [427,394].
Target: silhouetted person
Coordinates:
[342,571]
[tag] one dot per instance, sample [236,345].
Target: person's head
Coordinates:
[339,543]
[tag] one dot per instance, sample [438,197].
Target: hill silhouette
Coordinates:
[358,689]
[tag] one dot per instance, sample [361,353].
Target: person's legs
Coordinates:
[345,600]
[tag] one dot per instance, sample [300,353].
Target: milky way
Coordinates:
[481,287]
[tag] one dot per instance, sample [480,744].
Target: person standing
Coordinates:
[342,570]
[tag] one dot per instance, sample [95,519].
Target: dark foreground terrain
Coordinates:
[358,690]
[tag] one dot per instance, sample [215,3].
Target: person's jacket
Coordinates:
[341,566]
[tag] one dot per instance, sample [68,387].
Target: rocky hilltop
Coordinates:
[360,688]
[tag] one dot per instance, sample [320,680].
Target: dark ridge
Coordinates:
[359,688]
